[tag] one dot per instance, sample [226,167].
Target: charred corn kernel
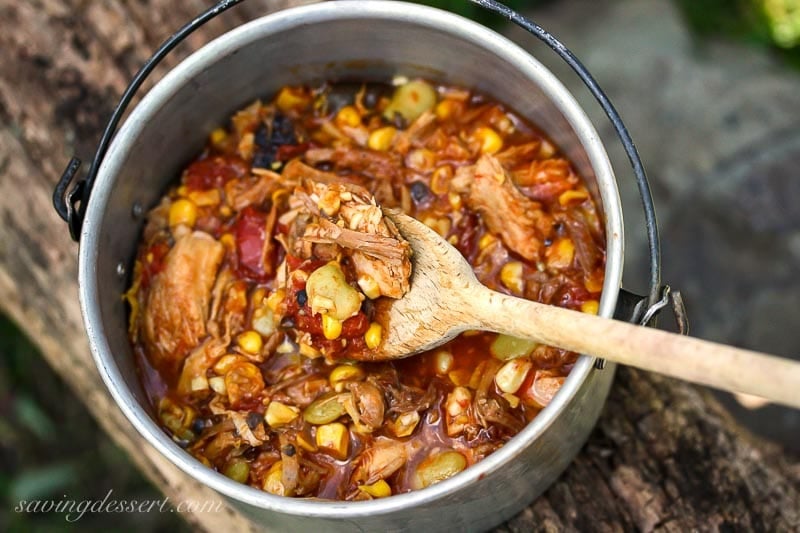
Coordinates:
[225,363]
[279,414]
[440,179]
[381,139]
[511,375]
[275,299]
[590,306]
[344,373]
[369,286]
[511,276]
[273,481]
[182,211]
[567,197]
[218,136]
[334,439]
[250,342]
[373,336]
[560,254]
[486,240]
[217,384]
[445,109]
[237,470]
[490,140]
[348,116]
[512,400]
[455,200]
[290,98]
[379,489]
[443,361]
[331,327]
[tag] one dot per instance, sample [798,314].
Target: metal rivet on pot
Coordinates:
[121,269]
[137,211]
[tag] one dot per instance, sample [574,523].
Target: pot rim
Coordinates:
[262,28]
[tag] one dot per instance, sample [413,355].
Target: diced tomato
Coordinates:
[214,172]
[153,261]
[250,233]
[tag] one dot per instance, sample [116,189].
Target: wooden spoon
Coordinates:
[446,299]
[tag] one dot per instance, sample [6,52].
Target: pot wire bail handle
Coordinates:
[658,296]
[71,206]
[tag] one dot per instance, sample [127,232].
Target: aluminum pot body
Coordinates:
[348,40]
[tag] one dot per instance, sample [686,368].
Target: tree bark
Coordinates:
[665,456]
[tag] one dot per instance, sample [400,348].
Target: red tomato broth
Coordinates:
[294,379]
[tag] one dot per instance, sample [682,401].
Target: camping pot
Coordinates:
[350,40]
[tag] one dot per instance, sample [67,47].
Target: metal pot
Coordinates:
[357,41]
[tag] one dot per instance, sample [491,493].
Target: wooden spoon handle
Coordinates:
[708,363]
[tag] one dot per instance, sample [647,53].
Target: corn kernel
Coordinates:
[420,160]
[344,373]
[334,439]
[444,109]
[275,299]
[306,350]
[279,414]
[381,139]
[348,116]
[443,361]
[228,240]
[369,286]
[206,198]
[373,336]
[511,276]
[590,306]
[491,142]
[225,211]
[292,99]
[486,240]
[571,196]
[218,136]
[560,254]
[331,327]
[183,190]
[455,200]
[594,283]
[182,212]
[379,489]
[511,375]
[250,342]
[440,180]
[225,363]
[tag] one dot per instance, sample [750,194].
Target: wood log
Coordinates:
[664,456]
